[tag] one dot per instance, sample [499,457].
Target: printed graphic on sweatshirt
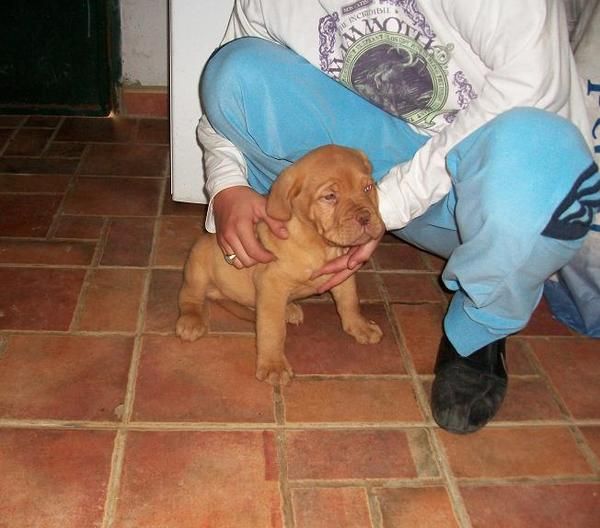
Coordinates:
[386,51]
[574,216]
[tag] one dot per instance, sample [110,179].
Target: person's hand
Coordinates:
[237,210]
[345,265]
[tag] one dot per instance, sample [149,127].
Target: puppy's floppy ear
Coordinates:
[284,190]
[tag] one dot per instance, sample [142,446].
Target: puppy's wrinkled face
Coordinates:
[332,188]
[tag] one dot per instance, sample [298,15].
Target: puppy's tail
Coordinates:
[240,311]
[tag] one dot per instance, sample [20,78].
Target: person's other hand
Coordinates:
[237,210]
[345,265]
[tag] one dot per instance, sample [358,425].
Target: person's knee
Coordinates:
[560,167]
[237,58]
[229,71]
[532,158]
[531,130]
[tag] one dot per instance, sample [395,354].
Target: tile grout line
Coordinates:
[54,227]
[103,242]
[52,137]
[30,193]
[90,271]
[117,463]
[557,480]
[69,188]
[91,142]
[403,349]
[374,507]
[587,452]
[458,506]
[172,267]
[97,176]
[90,333]
[15,423]
[114,481]
[369,484]
[72,266]
[12,136]
[8,423]
[136,131]
[405,354]
[573,425]
[287,508]
[372,484]
[456,499]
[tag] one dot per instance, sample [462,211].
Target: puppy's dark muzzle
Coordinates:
[369,222]
[363,217]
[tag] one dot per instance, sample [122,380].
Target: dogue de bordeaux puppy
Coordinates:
[330,204]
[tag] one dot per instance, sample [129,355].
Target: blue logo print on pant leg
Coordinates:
[575,214]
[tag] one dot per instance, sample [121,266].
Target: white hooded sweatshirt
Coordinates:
[464,62]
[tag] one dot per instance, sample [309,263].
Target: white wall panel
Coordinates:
[196,29]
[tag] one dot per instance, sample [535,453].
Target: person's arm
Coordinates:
[524,43]
[224,166]
[234,208]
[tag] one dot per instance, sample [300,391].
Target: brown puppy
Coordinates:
[330,203]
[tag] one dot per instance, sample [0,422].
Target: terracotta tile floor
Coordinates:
[108,420]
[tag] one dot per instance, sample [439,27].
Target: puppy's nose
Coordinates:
[363,217]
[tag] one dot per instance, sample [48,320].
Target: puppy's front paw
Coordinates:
[275,371]
[364,331]
[190,327]
[294,314]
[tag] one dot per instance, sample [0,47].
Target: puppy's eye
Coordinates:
[368,188]
[330,198]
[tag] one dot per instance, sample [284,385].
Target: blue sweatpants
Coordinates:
[515,213]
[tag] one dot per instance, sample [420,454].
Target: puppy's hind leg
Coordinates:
[294,314]
[193,311]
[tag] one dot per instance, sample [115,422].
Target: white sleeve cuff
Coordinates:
[209,222]
[406,192]
[392,204]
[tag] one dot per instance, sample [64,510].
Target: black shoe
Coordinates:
[468,391]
